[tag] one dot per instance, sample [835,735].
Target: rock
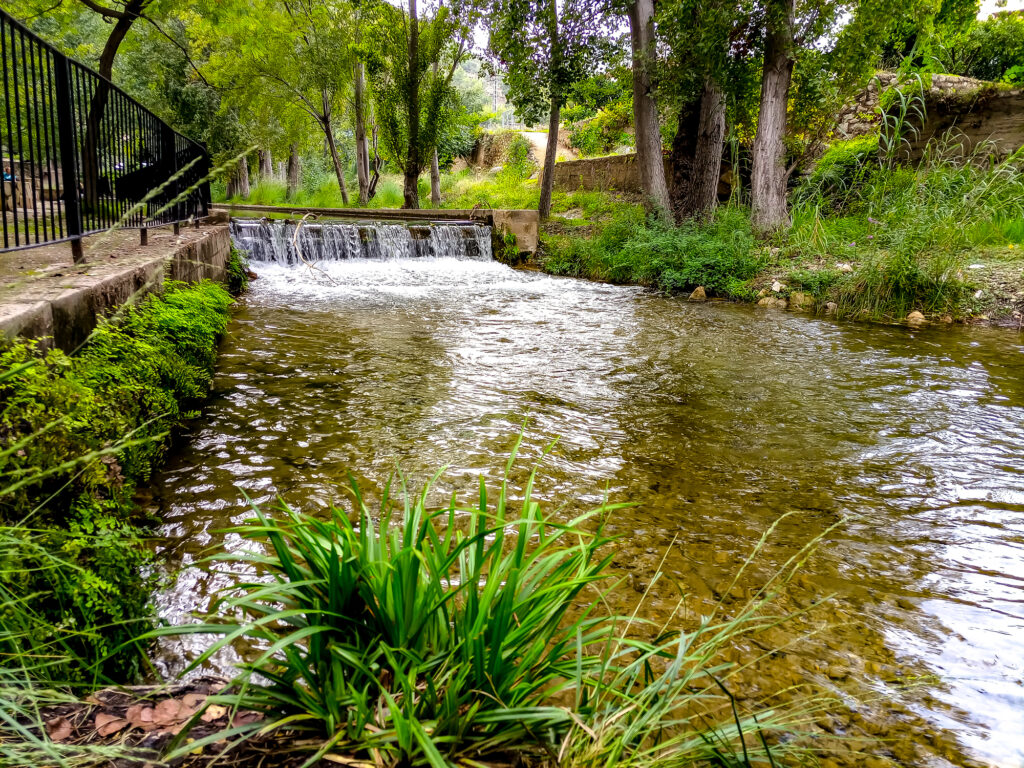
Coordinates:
[947,318]
[799,300]
[777,287]
[698,294]
[762,293]
[772,301]
[831,308]
[836,672]
[844,267]
[979,293]
[916,318]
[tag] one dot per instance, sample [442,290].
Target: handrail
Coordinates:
[78,155]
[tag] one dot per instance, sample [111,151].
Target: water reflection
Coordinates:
[717,419]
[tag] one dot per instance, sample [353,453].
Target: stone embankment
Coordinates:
[44,294]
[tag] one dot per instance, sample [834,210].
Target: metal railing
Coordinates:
[79,154]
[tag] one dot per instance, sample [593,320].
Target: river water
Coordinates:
[717,419]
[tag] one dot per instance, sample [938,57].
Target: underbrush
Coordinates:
[718,255]
[405,635]
[908,231]
[79,433]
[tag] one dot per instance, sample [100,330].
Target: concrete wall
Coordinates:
[618,172]
[67,309]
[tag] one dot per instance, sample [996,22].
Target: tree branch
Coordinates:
[180,47]
[109,13]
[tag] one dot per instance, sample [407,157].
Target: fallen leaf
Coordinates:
[108,725]
[58,729]
[244,718]
[214,712]
[167,712]
[140,716]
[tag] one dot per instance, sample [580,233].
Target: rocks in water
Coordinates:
[699,294]
[762,293]
[916,318]
[844,267]
[799,300]
[773,301]
[831,308]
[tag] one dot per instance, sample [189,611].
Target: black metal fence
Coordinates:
[79,155]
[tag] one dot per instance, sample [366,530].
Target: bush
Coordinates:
[718,254]
[602,133]
[83,430]
[840,173]
[237,272]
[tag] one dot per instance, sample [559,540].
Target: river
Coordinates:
[716,419]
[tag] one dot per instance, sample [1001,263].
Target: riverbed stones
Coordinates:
[799,301]
[831,308]
[773,301]
[916,318]
[699,294]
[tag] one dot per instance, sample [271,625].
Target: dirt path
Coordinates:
[539,140]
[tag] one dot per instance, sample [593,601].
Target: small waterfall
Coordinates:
[274,240]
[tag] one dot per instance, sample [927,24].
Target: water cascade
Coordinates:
[273,240]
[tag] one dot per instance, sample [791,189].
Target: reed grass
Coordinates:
[407,635]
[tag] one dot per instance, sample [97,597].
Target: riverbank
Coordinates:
[941,243]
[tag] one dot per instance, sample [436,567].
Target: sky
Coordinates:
[988,7]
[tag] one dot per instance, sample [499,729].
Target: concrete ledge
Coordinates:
[522,223]
[62,302]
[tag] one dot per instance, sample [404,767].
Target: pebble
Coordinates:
[778,287]
[916,318]
[844,267]
[699,294]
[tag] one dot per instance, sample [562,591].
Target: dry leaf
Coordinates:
[140,716]
[193,701]
[108,725]
[167,712]
[58,729]
[214,712]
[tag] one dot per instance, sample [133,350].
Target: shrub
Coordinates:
[81,432]
[237,272]
[840,173]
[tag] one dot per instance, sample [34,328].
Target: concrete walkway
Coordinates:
[44,294]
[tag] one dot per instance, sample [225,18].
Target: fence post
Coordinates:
[68,169]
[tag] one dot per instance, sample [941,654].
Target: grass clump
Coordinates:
[718,254]
[79,433]
[416,636]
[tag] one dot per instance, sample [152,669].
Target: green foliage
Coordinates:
[841,172]
[452,636]
[238,272]
[718,255]
[605,131]
[82,431]
[993,49]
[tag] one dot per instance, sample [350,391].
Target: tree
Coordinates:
[645,109]
[544,47]
[414,99]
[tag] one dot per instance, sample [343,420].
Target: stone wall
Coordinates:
[618,172]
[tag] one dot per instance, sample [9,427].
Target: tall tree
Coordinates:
[645,109]
[544,47]
[769,176]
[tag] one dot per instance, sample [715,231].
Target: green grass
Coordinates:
[406,635]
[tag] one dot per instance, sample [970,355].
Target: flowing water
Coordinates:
[717,419]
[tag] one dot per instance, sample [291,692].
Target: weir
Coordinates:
[289,242]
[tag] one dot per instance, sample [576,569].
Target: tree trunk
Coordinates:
[681,158]
[362,150]
[435,171]
[547,179]
[266,165]
[242,173]
[707,158]
[98,104]
[412,161]
[293,170]
[645,111]
[332,147]
[768,177]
